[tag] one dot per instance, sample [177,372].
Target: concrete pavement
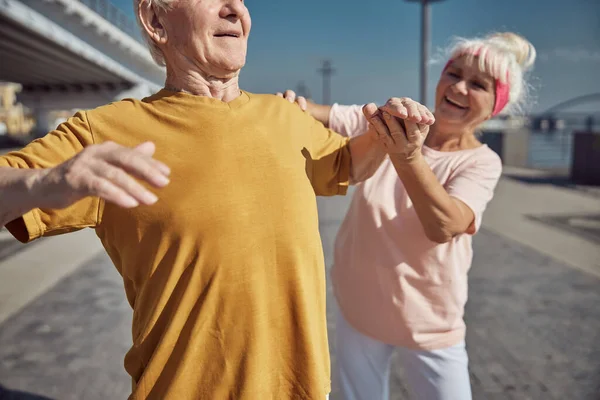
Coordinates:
[533,317]
[548,215]
[30,270]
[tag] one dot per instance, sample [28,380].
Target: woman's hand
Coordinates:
[402,125]
[290,96]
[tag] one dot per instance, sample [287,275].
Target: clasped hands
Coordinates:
[400,127]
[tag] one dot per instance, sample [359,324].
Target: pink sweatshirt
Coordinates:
[392,283]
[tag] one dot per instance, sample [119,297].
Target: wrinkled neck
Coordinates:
[199,83]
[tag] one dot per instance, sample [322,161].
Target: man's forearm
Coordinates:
[17,197]
[367,155]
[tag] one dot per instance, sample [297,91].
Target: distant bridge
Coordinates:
[71,54]
[588,98]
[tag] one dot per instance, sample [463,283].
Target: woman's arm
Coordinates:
[367,154]
[441,215]
[320,112]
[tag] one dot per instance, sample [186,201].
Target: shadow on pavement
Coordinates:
[556,180]
[10,246]
[6,394]
[560,180]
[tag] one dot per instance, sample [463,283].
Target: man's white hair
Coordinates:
[505,56]
[157,55]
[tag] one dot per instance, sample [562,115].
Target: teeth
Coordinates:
[455,103]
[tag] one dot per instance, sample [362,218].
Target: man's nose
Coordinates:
[234,9]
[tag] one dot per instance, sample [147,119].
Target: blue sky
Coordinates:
[374,45]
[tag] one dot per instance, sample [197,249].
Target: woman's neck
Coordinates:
[451,140]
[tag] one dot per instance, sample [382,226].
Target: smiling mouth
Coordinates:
[232,35]
[455,104]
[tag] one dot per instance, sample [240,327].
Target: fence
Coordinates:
[551,148]
[115,16]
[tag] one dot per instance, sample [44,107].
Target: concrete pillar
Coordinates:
[43,122]
[137,92]
[516,147]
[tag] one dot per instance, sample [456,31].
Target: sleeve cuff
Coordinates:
[476,223]
[344,171]
[26,228]
[332,118]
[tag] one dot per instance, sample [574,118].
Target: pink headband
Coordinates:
[502,92]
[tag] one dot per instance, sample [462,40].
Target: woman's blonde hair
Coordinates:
[506,56]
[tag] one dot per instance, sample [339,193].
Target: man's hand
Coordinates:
[402,125]
[107,171]
[290,96]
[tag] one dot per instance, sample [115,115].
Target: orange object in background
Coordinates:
[16,118]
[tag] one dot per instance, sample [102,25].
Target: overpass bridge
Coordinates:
[72,54]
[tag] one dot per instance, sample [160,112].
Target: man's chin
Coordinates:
[227,67]
[228,74]
[230,70]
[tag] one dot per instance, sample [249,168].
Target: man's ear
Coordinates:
[151,22]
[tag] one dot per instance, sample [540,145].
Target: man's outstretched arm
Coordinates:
[17,193]
[366,155]
[107,171]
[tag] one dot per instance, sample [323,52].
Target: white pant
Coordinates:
[363,366]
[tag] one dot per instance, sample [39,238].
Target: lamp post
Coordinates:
[326,71]
[425,43]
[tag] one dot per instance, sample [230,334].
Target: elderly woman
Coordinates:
[225,272]
[404,249]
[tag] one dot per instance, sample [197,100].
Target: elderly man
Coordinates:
[225,272]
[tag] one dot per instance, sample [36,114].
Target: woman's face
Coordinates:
[465,96]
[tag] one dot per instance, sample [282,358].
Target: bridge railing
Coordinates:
[547,147]
[115,16]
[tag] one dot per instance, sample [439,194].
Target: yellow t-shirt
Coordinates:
[225,273]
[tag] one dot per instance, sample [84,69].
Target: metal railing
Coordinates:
[115,16]
[551,149]
[548,147]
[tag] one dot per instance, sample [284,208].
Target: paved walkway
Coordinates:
[533,317]
[30,270]
[548,215]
